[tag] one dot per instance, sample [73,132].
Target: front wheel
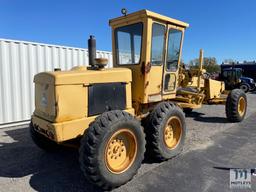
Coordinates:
[236,105]
[112,149]
[165,131]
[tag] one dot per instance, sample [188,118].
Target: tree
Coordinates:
[209,64]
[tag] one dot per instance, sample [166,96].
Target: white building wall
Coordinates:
[20,61]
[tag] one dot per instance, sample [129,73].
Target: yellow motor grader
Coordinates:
[103,107]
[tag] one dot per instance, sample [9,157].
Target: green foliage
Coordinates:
[210,64]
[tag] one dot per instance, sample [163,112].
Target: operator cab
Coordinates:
[231,77]
[150,45]
[234,78]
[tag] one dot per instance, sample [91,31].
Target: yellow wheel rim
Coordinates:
[241,106]
[120,151]
[172,132]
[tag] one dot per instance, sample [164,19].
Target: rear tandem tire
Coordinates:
[165,131]
[41,141]
[236,105]
[112,149]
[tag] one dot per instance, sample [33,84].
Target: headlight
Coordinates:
[44,101]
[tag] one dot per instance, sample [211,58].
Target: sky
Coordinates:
[225,29]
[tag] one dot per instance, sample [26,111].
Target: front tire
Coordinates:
[236,105]
[165,131]
[112,149]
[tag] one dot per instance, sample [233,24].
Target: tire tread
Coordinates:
[232,104]
[89,143]
[153,124]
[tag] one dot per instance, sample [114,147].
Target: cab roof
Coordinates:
[150,14]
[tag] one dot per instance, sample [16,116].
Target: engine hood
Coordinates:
[246,79]
[84,77]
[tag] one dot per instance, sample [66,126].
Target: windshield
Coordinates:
[128,44]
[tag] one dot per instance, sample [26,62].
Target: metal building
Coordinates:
[19,62]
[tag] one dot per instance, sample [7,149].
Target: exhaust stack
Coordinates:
[92,50]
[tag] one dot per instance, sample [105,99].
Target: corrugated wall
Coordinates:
[20,61]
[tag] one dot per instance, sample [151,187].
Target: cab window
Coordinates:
[228,74]
[225,74]
[174,43]
[239,73]
[157,47]
[128,44]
